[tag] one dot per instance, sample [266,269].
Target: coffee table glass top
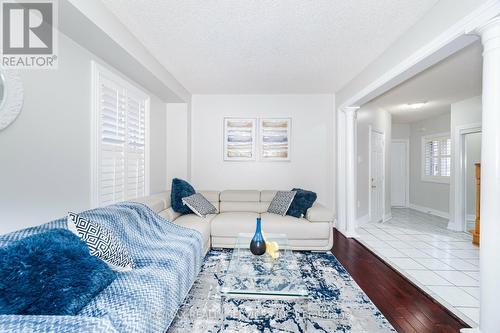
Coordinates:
[249,275]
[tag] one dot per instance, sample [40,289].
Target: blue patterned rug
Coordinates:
[335,304]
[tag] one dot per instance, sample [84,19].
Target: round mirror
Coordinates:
[11,97]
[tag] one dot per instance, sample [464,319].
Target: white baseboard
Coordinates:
[452,225]
[387,217]
[363,220]
[431,211]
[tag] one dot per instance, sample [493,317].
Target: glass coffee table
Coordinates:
[262,278]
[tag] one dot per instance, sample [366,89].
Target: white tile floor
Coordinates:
[443,263]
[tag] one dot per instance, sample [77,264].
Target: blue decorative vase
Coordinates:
[258,245]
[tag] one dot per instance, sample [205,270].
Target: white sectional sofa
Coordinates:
[237,212]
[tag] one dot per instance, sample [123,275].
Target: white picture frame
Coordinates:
[275,139]
[240,139]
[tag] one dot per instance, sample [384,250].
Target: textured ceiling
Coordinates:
[454,79]
[267,46]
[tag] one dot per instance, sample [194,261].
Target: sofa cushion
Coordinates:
[169,214]
[199,205]
[267,195]
[180,189]
[102,242]
[243,206]
[281,202]
[50,273]
[302,201]
[200,224]
[319,213]
[156,203]
[240,195]
[229,224]
[213,197]
[294,228]
[164,196]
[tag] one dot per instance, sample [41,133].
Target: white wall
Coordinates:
[426,194]
[466,112]
[379,120]
[401,131]
[312,143]
[45,153]
[158,146]
[177,142]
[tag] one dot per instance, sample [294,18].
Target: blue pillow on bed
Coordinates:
[302,201]
[51,273]
[180,189]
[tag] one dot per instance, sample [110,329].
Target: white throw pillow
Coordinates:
[102,243]
[199,205]
[281,202]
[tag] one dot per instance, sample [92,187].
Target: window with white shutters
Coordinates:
[436,158]
[120,145]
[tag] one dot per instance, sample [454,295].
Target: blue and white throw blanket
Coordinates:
[167,261]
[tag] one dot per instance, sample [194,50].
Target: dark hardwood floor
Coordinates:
[406,307]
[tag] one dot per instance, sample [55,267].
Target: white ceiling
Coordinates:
[454,79]
[267,46]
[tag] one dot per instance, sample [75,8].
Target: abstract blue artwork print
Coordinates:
[239,139]
[275,139]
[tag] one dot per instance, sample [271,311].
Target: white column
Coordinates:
[490,181]
[350,174]
[340,197]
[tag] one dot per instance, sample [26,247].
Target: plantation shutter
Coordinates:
[136,147]
[112,134]
[437,157]
[121,145]
[445,157]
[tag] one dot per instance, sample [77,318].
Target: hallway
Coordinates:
[441,262]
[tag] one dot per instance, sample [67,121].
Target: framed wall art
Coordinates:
[274,135]
[240,139]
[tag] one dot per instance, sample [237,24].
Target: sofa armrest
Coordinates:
[61,324]
[169,214]
[319,213]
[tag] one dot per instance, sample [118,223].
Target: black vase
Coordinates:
[258,245]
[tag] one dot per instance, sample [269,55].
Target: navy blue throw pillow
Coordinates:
[51,273]
[302,201]
[180,189]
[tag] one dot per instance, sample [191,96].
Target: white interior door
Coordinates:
[377,176]
[399,174]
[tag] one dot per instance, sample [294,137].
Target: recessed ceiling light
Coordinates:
[416,106]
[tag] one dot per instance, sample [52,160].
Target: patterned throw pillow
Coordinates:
[101,242]
[199,205]
[281,202]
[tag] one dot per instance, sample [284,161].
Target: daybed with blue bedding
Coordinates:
[167,259]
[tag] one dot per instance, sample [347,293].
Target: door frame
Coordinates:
[459,221]
[446,43]
[406,142]
[370,131]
